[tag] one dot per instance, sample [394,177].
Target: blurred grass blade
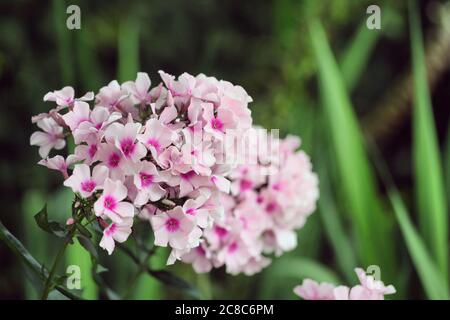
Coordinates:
[334,230]
[373,228]
[429,183]
[355,57]
[63,41]
[128,45]
[22,253]
[434,284]
[447,162]
[89,70]
[289,272]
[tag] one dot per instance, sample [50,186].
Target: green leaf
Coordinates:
[435,285]
[429,182]
[100,269]
[175,282]
[372,227]
[83,230]
[356,56]
[19,250]
[49,226]
[87,244]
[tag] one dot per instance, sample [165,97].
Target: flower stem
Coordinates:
[49,280]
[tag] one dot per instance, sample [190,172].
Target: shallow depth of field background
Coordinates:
[371,188]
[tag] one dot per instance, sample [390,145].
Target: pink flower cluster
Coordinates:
[270,199]
[368,289]
[159,153]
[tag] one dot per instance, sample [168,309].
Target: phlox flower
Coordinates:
[156,137]
[311,290]
[51,137]
[219,121]
[146,181]
[124,139]
[110,96]
[194,209]
[175,228]
[368,289]
[115,232]
[110,203]
[59,163]
[66,96]
[94,127]
[199,258]
[83,183]
[77,115]
[139,89]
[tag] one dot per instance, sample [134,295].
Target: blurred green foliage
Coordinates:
[312,68]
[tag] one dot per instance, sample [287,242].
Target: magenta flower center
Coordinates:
[221,232]
[216,123]
[113,160]
[172,225]
[201,251]
[190,211]
[271,207]
[88,185]
[245,185]
[109,203]
[92,150]
[232,247]
[127,145]
[146,179]
[187,175]
[111,230]
[154,143]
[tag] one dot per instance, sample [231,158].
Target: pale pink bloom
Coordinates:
[199,258]
[139,89]
[369,289]
[198,154]
[219,121]
[190,181]
[376,288]
[51,137]
[124,138]
[234,255]
[111,95]
[255,265]
[66,96]
[116,232]
[221,183]
[83,183]
[70,222]
[146,181]
[194,209]
[59,163]
[80,113]
[53,113]
[99,119]
[88,152]
[110,203]
[311,290]
[183,87]
[173,227]
[156,137]
[112,158]
[236,99]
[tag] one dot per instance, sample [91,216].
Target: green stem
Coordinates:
[59,257]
